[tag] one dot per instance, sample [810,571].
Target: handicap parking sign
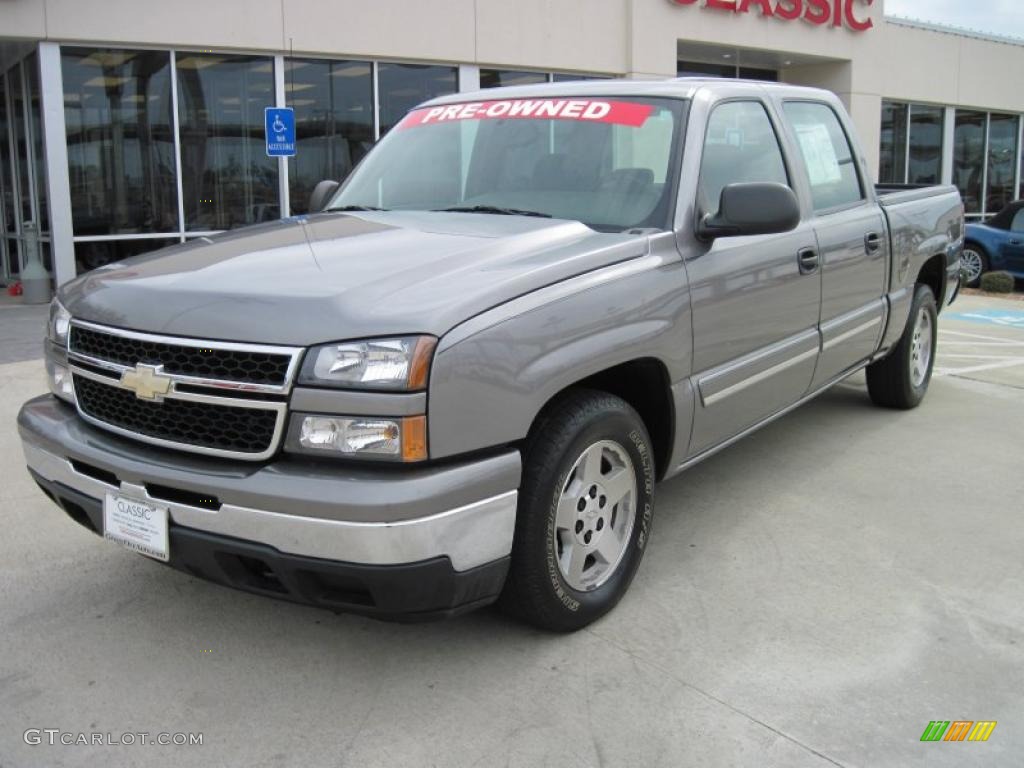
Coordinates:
[279,123]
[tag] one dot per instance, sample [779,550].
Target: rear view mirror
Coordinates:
[322,192]
[757,208]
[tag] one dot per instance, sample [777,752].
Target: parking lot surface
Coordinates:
[812,596]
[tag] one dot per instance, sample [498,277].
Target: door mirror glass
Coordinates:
[752,208]
[322,192]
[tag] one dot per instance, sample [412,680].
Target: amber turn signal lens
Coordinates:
[419,370]
[414,438]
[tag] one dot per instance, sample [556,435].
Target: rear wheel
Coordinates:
[975,264]
[584,512]
[901,379]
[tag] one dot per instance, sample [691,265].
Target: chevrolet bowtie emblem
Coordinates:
[147,382]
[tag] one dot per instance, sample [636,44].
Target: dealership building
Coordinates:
[127,125]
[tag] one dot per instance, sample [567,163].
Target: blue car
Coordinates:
[997,244]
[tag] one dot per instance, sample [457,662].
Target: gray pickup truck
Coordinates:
[459,381]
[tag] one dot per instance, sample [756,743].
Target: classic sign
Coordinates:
[838,13]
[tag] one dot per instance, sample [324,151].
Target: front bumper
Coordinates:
[420,541]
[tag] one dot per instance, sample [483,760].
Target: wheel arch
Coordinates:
[933,274]
[973,242]
[644,383]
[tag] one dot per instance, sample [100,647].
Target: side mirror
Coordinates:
[756,208]
[322,192]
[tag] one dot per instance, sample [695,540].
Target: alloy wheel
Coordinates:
[595,515]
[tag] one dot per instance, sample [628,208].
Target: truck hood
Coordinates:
[335,276]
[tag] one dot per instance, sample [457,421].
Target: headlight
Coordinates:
[59,379]
[58,325]
[395,364]
[400,439]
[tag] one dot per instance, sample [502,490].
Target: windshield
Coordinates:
[607,162]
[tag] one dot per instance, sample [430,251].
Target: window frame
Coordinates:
[865,196]
[769,113]
[1019,215]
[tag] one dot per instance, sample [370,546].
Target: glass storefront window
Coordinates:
[227,178]
[1002,161]
[1020,192]
[9,223]
[755,73]
[21,149]
[498,78]
[969,157]
[892,167]
[38,158]
[568,77]
[333,103]
[117,111]
[403,86]
[926,126]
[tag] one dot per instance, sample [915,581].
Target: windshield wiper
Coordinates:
[356,208]
[493,209]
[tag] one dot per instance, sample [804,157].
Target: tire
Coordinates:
[901,379]
[975,264]
[575,551]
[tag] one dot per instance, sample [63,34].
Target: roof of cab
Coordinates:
[678,88]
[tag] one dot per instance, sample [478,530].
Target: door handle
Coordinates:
[1015,242]
[872,242]
[807,259]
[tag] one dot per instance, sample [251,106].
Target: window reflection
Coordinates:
[403,86]
[969,157]
[499,78]
[566,77]
[6,164]
[1002,161]
[20,142]
[892,168]
[96,254]
[117,109]
[227,178]
[31,67]
[1020,193]
[333,102]
[926,125]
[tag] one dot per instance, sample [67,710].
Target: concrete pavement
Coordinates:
[812,596]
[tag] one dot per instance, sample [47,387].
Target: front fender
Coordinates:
[492,375]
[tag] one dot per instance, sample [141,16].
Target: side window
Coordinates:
[1018,222]
[831,167]
[740,146]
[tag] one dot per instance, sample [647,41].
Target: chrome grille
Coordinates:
[223,427]
[211,397]
[240,365]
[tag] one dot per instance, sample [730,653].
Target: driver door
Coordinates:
[755,300]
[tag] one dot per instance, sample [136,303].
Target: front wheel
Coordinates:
[584,513]
[901,379]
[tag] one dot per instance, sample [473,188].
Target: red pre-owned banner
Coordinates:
[585,110]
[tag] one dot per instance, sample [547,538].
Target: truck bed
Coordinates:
[895,194]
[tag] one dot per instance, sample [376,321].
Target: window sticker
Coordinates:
[625,113]
[819,154]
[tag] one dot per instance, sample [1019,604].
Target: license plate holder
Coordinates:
[138,525]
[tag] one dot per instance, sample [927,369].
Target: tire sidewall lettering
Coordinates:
[637,438]
[554,576]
